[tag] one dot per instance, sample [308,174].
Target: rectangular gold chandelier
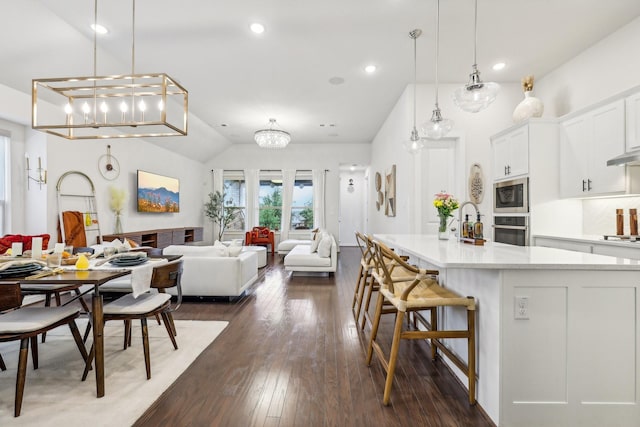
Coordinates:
[103,107]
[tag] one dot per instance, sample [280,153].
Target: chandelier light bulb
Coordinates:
[124,107]
[86,109]
[160,105]
[142,106]
[104,107]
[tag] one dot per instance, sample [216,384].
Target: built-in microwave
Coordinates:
[511,196]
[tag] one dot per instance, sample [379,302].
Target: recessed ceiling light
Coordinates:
[499,66]
[257,28]
[370,69]
[336,80]
[99,29]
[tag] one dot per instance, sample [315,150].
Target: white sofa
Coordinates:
[301,258]
[206,273]
[286,245]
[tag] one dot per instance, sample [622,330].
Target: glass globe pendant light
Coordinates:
[475,95]
[413,145]
[437,127]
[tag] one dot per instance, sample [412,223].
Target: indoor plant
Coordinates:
[220,214]
[445,204]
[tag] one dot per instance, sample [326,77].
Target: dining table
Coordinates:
[93,277]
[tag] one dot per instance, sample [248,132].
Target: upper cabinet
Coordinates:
[511,153]
[587,141]
[632,105]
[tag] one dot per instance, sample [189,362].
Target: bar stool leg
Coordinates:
[393,357]
[374,327]
[471,351]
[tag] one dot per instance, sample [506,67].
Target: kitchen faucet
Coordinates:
[475,207]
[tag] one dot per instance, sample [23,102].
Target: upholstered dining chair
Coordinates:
[128,308]
[25,324]
[413,289]
[261,236]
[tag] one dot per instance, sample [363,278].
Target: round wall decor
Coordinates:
[378,181]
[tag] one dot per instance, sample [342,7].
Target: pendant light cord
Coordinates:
[475,34]
[437,46]
[95,60]
[415,73]
[133,59]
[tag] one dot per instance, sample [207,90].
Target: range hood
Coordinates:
[631,158]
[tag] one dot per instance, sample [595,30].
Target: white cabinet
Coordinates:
[511,154]
[632,106]
[587,142]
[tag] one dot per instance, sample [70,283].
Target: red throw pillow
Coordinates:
[7,240]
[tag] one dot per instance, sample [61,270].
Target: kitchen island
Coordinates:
[557,330]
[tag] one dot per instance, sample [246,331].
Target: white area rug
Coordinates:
[55,396]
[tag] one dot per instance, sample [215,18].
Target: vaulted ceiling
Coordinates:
[307,68]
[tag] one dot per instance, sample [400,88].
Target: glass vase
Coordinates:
[118,227]
[443,231]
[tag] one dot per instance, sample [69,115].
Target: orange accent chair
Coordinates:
[261,236]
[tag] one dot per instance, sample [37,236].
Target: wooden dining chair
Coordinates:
[364,273]
[128,308]
[25,324]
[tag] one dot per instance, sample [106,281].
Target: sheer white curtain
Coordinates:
[319,182]
[288,180]
[252,179]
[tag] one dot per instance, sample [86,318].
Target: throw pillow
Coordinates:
[314,245]
[324,249]
[235,250]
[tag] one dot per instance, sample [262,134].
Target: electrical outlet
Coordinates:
[521,308]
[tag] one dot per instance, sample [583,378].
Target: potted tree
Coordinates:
[220,214]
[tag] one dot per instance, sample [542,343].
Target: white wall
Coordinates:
[308,156]
[605,69]
[476,129]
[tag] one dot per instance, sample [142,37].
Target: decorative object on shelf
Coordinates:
[219,214]
[390,192]
[117,202]
[476,95]
[108,165]
[445,204]
[476,184]
[633,222]
[123,106]
[272,137]
[530,106]
[437,127]
[41,173]
[413,145]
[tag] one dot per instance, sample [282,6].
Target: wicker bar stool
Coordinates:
[376,279]
[421,293]
[364,273]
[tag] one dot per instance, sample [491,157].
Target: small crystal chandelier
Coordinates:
[413,145]
[272,138]
[437,127]
[100,107]
[475,95]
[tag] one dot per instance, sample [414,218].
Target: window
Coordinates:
[270,195]
[235,197]
[302,202]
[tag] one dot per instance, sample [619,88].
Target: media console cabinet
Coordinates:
[160,238]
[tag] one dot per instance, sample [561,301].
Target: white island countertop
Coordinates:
[454,254]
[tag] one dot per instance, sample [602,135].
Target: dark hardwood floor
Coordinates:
[293,356]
